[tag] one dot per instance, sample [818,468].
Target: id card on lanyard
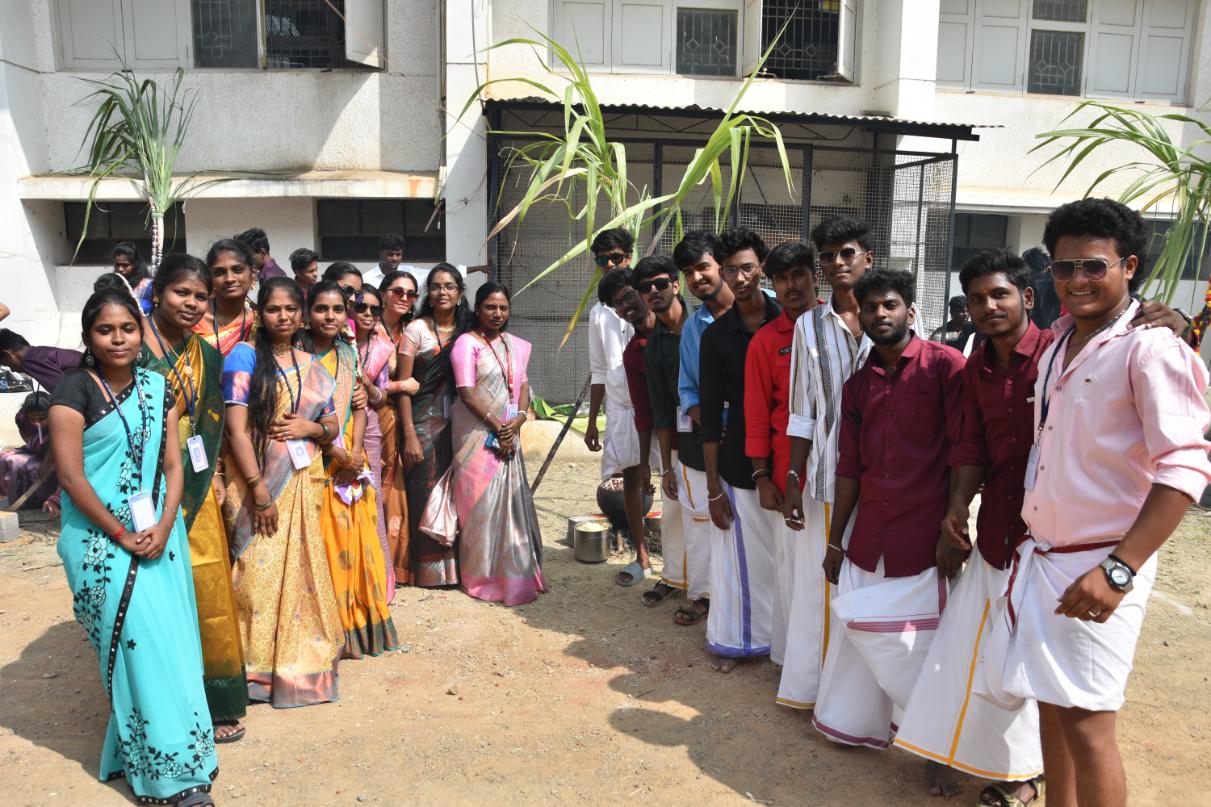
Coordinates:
[300,452]
[194,445]
[142,508]
[506,370]
[1032,462]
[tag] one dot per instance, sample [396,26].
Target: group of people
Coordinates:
[245,485]
[818,462]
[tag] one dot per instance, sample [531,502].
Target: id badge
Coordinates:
[197,454]
[299,455]
[142,511]
[1032,467]
[510,411]
[685,423]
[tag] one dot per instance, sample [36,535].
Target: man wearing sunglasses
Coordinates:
[608,336]
[1118,455]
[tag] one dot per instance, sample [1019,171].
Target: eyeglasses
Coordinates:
[446,287]
[1092,268]
[400,291]
[657,283]
[614,258]
[745,269]
[362,308]
[846,255]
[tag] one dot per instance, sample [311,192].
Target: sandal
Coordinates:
[201,799]
[1004,794]
[657,594]
[635,572]
[689,614]
[233,737]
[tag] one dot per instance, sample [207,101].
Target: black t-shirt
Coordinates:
[80,391]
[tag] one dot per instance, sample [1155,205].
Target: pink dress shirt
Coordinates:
[1128,413]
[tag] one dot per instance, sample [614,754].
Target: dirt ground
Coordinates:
[583,696]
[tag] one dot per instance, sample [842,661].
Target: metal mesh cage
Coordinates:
[906,197]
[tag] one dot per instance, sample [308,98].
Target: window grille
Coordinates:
[1061,10]
[110,223]
[807,50]
[707,41]
[304,33]
[1055,62]
[225,33]
[349,229]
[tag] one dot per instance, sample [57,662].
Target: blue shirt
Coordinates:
[691,341]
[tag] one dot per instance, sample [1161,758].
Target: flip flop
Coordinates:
[636,572]
[234,737]
[1004,795]
[657,594]
[689,615]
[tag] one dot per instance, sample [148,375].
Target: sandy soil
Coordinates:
[584,696]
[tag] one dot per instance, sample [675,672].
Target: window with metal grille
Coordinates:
[1055,62]
[807,50]
[707,40]
[111,223]
[304,33]
[225,33]
[349,229]
[1061,10]
[976,232]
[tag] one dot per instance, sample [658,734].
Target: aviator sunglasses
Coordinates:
[1092,268]
[657,283]
[847,255]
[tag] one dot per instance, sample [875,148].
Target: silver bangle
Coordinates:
[715,498]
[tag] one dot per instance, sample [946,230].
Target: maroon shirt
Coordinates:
[896,431]
[636,366]
[997,432]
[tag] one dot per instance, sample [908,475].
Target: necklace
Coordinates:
[282,350]
[1108,323]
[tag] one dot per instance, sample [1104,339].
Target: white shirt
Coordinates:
[608,337]
[824,354]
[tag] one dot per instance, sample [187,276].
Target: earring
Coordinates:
[88,357]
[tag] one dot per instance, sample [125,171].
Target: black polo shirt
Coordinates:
[664,362]
[721,381]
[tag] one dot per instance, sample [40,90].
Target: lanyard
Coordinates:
[507,373]
[1045,402]
[437,335]
[191,399]
[296,397]
[136,451]
[243,322]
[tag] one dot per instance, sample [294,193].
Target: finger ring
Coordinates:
[1094,614]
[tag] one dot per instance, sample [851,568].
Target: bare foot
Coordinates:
[942,781]
[722,664]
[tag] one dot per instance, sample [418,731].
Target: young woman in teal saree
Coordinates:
[126,556]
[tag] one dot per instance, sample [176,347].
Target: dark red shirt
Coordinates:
[897,427]
[636,367]
[997,432]
[767,376]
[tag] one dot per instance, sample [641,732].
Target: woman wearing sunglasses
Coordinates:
[376,363]
[399,294]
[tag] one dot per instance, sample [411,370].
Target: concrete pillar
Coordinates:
[906,58]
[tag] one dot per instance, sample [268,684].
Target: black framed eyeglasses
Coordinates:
[362,308]
[610,259]
[657,283]
[1092,268]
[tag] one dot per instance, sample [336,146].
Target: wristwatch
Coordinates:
[1119,575]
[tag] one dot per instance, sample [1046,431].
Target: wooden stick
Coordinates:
[567,424]
[44,471]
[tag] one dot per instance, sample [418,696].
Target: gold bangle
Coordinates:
[252,481]
[263,507]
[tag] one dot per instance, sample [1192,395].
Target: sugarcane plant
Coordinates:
[582,167]
[1170,178]
[137,132]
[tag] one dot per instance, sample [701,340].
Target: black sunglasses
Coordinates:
[614,258]
[1092,268]
[362,308]
[657,283]
[349,290]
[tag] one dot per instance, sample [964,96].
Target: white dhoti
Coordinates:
[881,633]
[945,721]
[1035,654]
[808,618]
[699,532]
[672,536]
[742,580]
[620,445]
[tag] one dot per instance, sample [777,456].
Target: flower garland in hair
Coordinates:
[126,283]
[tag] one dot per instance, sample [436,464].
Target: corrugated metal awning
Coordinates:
[874,123]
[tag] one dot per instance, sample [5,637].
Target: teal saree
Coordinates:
[139,615]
